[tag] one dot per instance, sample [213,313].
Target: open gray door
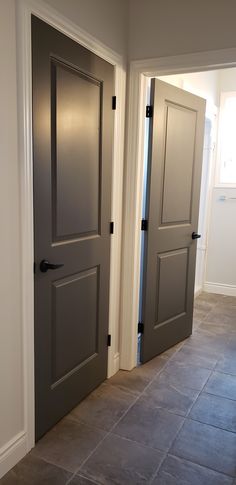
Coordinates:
[175,161]
[72,149]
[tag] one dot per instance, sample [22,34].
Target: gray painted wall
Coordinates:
[170,27]
[107,20]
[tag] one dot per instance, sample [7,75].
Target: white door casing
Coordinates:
[140,71]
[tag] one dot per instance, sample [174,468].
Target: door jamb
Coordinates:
[24,9]
[133,182]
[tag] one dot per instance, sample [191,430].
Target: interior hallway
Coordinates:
[171,421]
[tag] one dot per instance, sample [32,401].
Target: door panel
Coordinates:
[174,176]
[177,192]
[76,165]
[72,150]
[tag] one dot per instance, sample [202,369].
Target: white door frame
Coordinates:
[24,9]
[139,73]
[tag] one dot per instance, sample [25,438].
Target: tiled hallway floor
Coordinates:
[171,421]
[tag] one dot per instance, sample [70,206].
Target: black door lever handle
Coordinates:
[45,266]
[195,235]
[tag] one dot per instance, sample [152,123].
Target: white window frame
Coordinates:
[224,95]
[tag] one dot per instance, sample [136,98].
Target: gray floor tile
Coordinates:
[231,344]
[228,300]
[210,297]
[215,410]
[176,471]
[201,340]
[170,352]
[227,363]
[33,471]
[214,329]
[201,357]
[226,309]
[208,446]
[136,380]
[219,318]
[203,305]
[199,314]
[223,385]
[79,480]
[132,382]
[166,393]
[103,407]
[135,450]
[68,444]
[122,462]
[153,427]
[188,375]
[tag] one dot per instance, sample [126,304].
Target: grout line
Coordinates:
[189,418]
[154,475]
[138,397]
[125,413]
[171,455]
[185,417]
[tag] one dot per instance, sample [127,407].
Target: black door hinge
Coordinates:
[34,268]
[111,227]
[109,340]
[140,327]
[149,111]
[113,102]
[144,225]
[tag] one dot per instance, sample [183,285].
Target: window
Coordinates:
[226,172]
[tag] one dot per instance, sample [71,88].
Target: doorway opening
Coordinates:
[214,268]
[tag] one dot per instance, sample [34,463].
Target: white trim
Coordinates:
[134,178]
[220,288]
[12,452]
[24,9]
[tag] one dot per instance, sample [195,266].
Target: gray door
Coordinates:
[72,150]
[175,160]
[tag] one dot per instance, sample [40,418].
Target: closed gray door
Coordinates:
[72,150]
[175,161]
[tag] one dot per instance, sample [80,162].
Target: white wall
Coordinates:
[221,256]
[169,27]
[105,20]
[227,80]
[221,261]
[11,379]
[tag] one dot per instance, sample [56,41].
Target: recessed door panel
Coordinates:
[76,146]
[75,322]
[72,149]
[178,164]
[174,176]
[171,285]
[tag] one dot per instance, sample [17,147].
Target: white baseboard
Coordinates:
[114,363]
[12,452]
[219,289]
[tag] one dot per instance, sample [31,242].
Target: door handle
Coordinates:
[45,266]
[195,235]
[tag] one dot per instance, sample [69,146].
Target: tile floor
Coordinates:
[171,421]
